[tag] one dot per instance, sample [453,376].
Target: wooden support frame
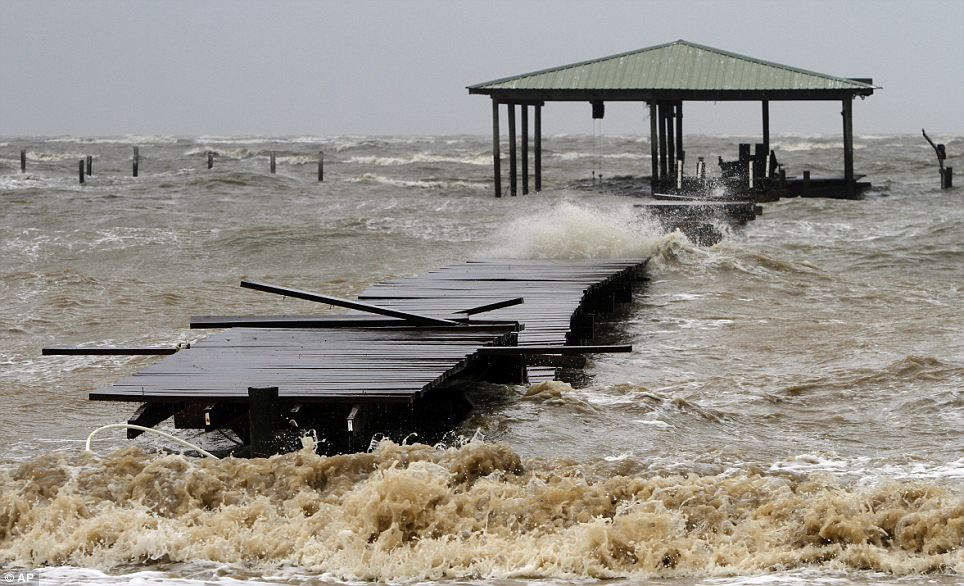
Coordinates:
[680,153]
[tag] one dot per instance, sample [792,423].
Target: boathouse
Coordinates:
[664,77]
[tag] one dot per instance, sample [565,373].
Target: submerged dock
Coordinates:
[391,366]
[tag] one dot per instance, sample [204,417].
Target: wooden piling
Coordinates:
[135,161]
[210,159]
[670,138]
[537,124]
[947,178]
[80,168]
[90,165]
[653,146]
[262,418]
[806,182]
[272,163]
[680,153]
[663,170]
[321,166]
[525,149]
[766,125]
[512,150]
[496,156]
[848,140]
[23,160]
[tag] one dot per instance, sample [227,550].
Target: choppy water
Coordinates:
[792,412]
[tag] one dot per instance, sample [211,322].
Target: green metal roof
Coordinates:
[680,65]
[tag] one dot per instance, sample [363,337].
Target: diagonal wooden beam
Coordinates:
[492,306]
[356,305]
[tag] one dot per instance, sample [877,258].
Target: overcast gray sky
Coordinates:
[378,67]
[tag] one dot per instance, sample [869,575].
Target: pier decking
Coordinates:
[460,322]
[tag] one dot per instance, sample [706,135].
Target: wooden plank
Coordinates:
[78,351]
[309,296]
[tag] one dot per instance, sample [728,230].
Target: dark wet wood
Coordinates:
[360,358]
[77,351]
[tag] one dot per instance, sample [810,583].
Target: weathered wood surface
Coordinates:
[362,357]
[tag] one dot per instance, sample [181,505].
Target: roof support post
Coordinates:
[766,128]
[496,157]
[512,154]
[538,145]
[848,143]
[525,148]
[662,142]
[679,131]
[654,145]
[670,140]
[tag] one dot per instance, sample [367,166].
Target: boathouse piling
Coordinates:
[525,148]
[271,163]
[80,168]
[210,159]
[512,150]
[321,166]
[135,161]
[90,165]
[23,160]
[537,147]
[848,144]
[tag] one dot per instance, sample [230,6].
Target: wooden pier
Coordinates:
[391,366]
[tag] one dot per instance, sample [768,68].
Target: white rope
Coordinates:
[150,430]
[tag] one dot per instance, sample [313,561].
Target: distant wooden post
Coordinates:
[136,160]
[262,418]
[23,160]
[90,165]
[321,166]
[654,145]
[848,139]
[783,182]
[210,159]
[806,181]
[537,123]
[525,148]
[947,173]
[512,150]
[80,167]
[496,156]
[272,163]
